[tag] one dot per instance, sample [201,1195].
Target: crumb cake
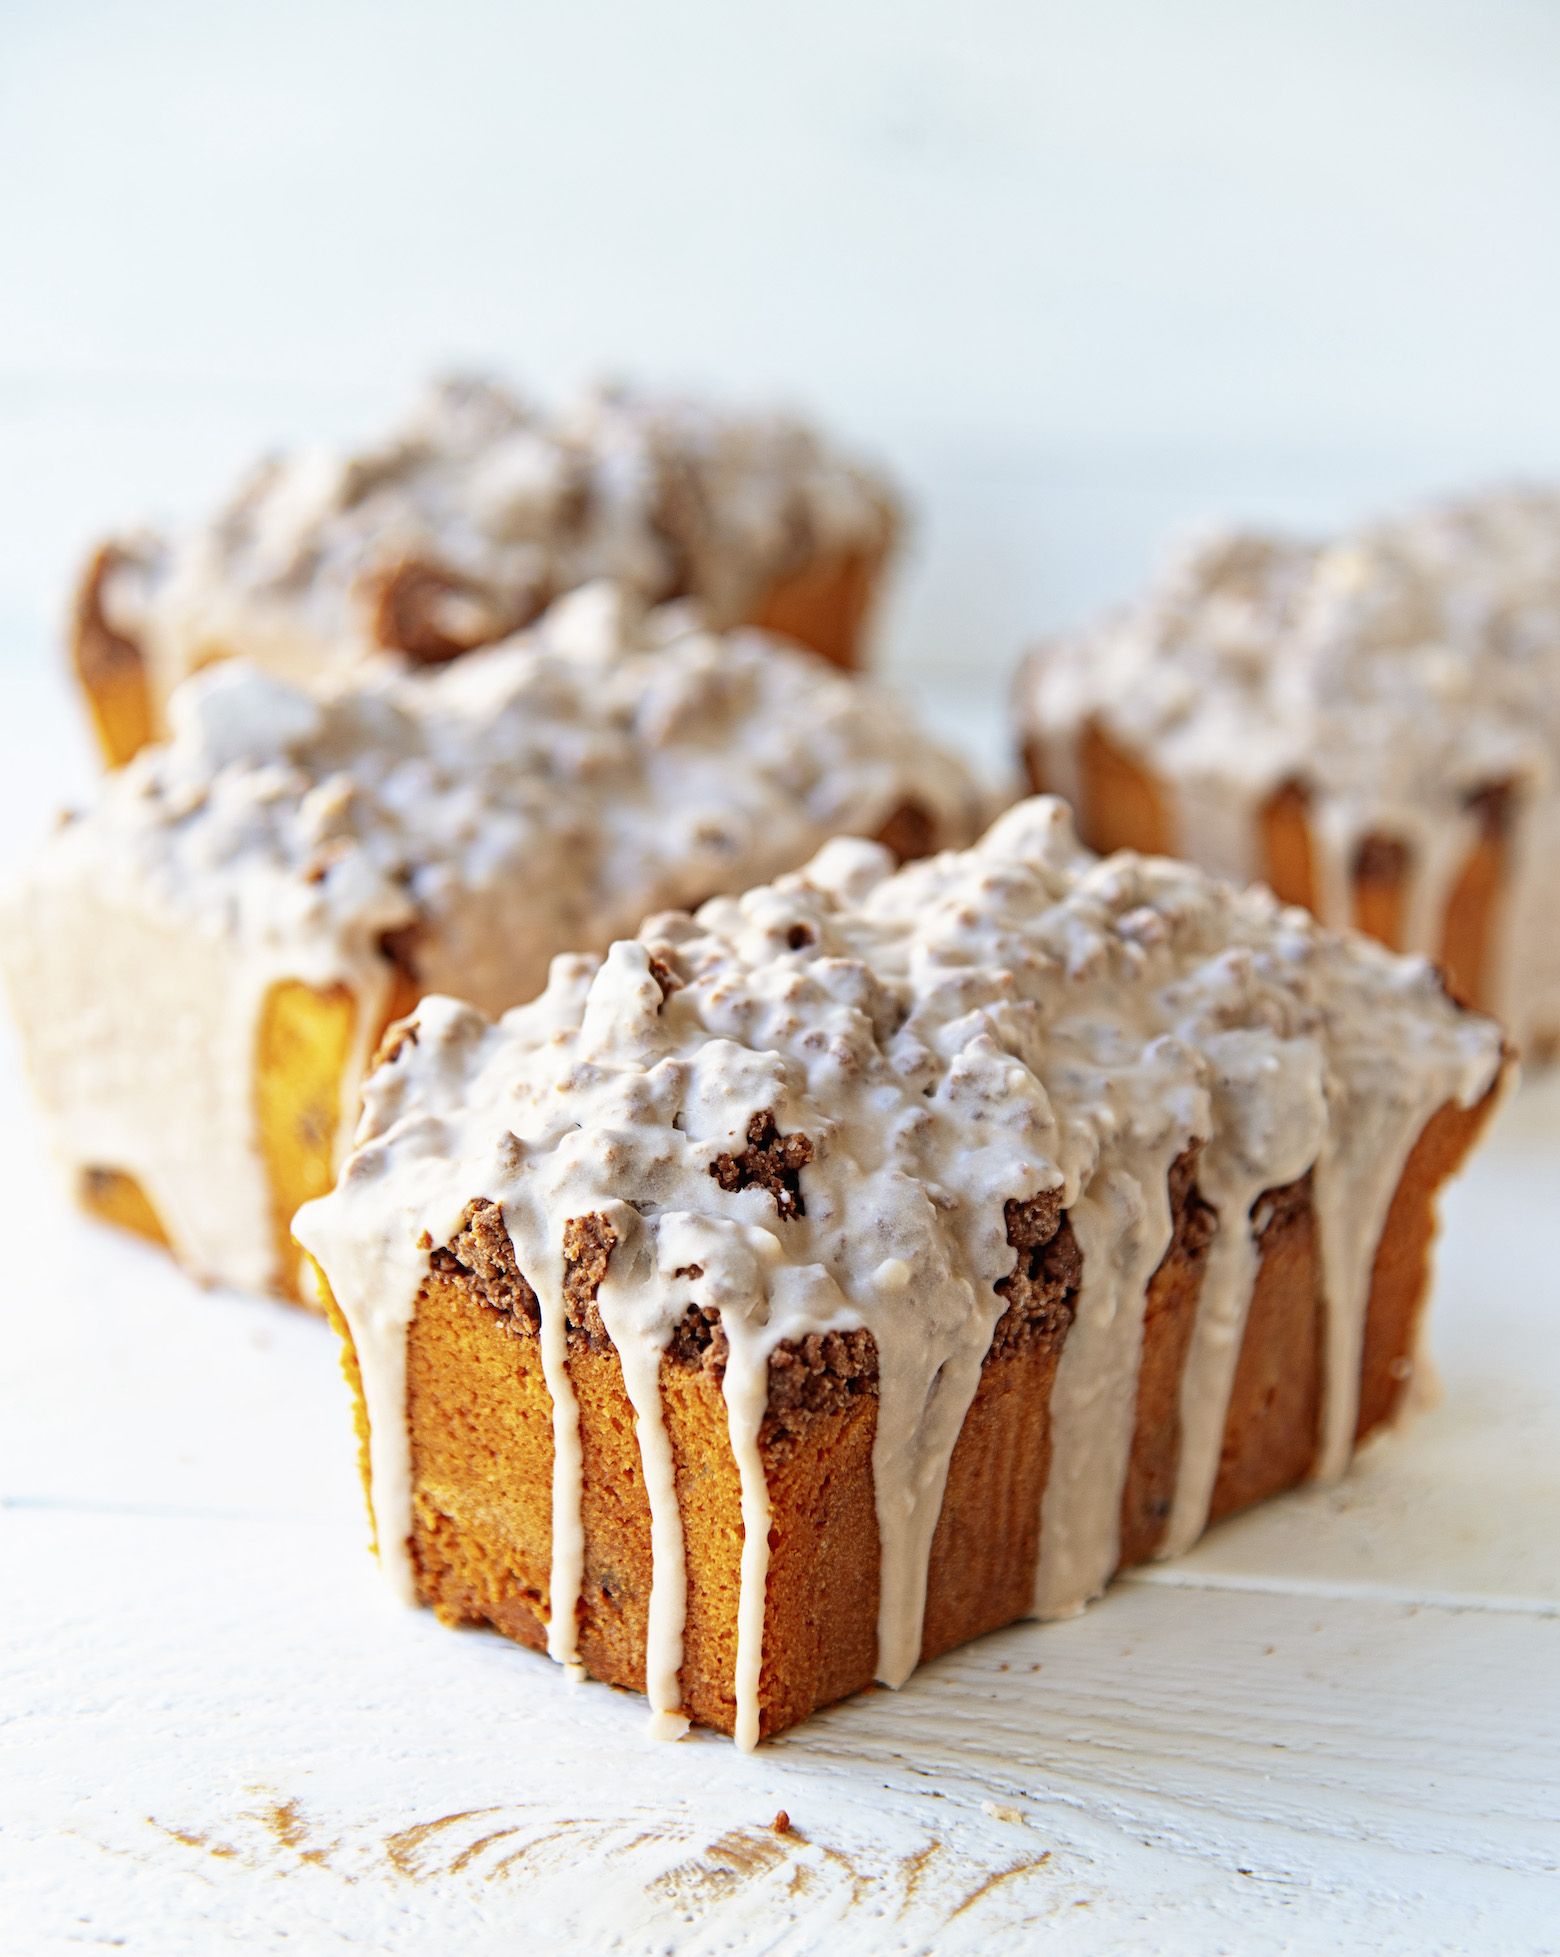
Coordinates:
[202,963]
[875,1259]
[463,524]
[1371,725]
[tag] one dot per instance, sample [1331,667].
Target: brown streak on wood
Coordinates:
[468,1855]
[913,1867]
[626,1847]
[503,1866]
[735,1858]
[747,1853]
[402,1847]
[860,1885]
[224,1851]
[285,1821]
[995,1881]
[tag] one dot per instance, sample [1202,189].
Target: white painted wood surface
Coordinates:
[1072,309]
[1336,1724]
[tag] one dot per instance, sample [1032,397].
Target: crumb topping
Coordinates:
[1391,697]
[462,525]
[468,823]
[1410,666]
[771,1161]
[883,1121]
[480,1261]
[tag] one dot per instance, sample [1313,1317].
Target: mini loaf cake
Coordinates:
[461,526]
[1371,725]
[873,1259]
[202,963]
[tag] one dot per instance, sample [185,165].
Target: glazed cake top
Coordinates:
[974,1030]
[512,506]
[541,793]
[1398,670]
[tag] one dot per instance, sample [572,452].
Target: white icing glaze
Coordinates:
[977,1029]
[666,495]
[1123,1226]
[1395,674]
[641,1363]
[1270,1118]
[536,797]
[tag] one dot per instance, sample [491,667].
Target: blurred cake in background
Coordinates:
[202,963]
[1372,725]
[463,524]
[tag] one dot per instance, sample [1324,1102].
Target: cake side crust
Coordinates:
[1272,1425]
[109,666]
[981,1573]
[480,1416]
[1169,1320]
[1400,1275]
[825,605]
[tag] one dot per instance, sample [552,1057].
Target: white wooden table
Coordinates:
[1337,1723]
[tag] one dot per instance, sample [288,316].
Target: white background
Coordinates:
[1078,274]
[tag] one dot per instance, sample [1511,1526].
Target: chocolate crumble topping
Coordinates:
[1042,1288]
[1276,1208]
[807,1377]
[479,1261]
[772,1160]
[1196,1221]
[588,1243]
[699,1342]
